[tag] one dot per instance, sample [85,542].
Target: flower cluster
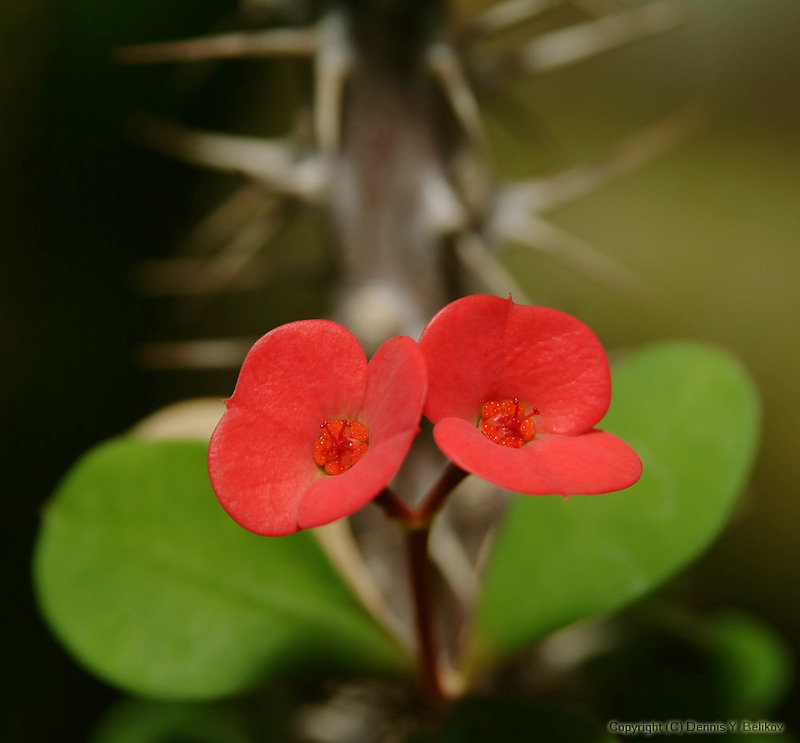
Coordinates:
[313,432]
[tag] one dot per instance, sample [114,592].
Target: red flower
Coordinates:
[312,432]
[515,393]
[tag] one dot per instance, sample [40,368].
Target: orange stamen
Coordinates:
[506,423]
[341,444]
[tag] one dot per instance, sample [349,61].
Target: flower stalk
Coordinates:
[417,524]
[420,571]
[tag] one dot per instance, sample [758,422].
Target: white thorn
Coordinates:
[270,161]
[544,237]
[223,220]
[444,212]
[332,67]
[271,43]
[504,15]
[446,67]
[579,42]
[484,265]
[541,194]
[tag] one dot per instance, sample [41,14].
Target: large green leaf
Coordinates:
[150,584]
[693,415]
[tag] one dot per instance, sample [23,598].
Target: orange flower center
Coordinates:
[340,445]
[506,423]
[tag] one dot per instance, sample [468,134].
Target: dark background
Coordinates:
[715,224]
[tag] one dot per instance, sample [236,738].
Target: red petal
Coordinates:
[594,462]
[396,387]
[395,394]
[303,373]
[483,348]
[464,350]
[260,456]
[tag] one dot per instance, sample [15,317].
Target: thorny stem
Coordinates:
[417,523]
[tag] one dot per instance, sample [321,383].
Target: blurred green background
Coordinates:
[714,223]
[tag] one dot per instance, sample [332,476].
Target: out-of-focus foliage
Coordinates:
[667,663]
[751,662]
[512,719]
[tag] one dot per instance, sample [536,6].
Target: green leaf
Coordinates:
[150,584]
[693,415]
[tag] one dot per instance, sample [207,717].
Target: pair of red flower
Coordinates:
[313,432]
